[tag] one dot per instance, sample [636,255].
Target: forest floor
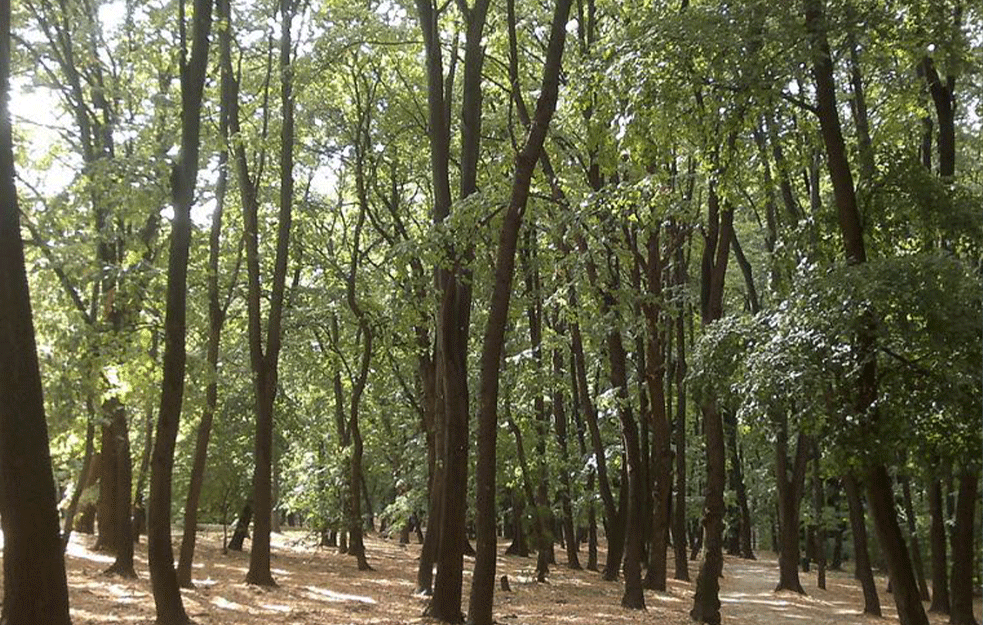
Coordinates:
[318,585]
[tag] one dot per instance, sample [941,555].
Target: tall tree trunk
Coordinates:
[861,557]
[916,550]
[819,502]
[964,549]
[560,417]
[706,600]
[263,362]
[743,510]
[453,318]
[944,98]
[937,543]
[34,582]
[681,571]
[614,536]
[791,484]
[578,411]
[483,584]
[428,553]
[184,174]
[655,375]
[878,483]
[121,507]
[216,319]
[534,315]
[106,539]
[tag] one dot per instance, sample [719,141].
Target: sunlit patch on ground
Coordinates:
[337,596]
[320,586]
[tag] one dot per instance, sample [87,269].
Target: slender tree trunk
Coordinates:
[940,574]
[579,410]
[681,571]
[263,362]
[453,318]
[706,600]
[560,417]
[184,174]
[615,539]
[216,319]
[655,374]
[861,557]
[428,553]
[916,550]
[878,483]
[818,502]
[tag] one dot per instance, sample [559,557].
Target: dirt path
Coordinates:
[748,597]
[320,586]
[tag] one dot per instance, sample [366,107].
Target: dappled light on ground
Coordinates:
[319,586]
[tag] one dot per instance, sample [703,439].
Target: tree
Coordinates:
[35,589]
[167,595]
[878,482]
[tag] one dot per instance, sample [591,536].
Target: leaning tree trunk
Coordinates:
[216,319]
[880,494]
[483,584]
[34,583]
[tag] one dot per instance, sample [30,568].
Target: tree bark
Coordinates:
[216,320]
[483,583]
[861,557]
[964,550]
[263,362]
[878,483]
[35,589]
[916,550]
[681,571]
[819,502]
[184,174]
[706,600]
[791,485]
[655,374]
[121,501]
[560,417]
[241,531]
[937,542]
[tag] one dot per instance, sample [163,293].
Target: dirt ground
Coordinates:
[320,586]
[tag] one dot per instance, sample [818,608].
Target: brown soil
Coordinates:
[321,586]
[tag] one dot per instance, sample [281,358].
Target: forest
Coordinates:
[524,311]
